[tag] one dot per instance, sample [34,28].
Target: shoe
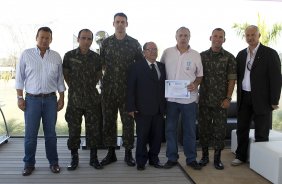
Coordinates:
[95,163]
[140,167]
[205,156]
[74,162]
[55,168]
[128,158]
[110,157]
[204,161]
[194,165]
[236,162]
[169,164]
[218,165]
[217,162]
[157,165]
[28,170]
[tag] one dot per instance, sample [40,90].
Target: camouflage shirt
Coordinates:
[117,56]
[218,67]
[82,73]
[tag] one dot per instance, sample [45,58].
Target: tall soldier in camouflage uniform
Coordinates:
[118,52]
[82,70]
[215,95]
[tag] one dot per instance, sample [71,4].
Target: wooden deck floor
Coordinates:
[11,165]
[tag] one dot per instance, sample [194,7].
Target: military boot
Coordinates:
[205,157]
[128,158]
[74,160]
[110,157]
[217,162]
[94,159]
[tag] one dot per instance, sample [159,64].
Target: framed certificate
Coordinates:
[177,89]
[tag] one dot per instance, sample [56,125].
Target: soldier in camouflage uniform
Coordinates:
[118,52]
[82,70]
[215,95]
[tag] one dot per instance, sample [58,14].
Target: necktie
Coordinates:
[154,71]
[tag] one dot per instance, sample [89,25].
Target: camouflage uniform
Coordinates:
[218,69]
[83,73]
[117,56]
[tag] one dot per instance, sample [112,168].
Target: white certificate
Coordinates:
[177,89]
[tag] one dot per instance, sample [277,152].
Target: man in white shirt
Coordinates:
[40,74]
[182,63]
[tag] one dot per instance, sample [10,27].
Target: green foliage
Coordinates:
[277,120]
[15,127]
[267,36]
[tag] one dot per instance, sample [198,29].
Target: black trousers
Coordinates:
[262,124]
[149,130]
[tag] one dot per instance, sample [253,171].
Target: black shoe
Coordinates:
[218,165]
[74,162]
[157,165]
[169,164]
[140,167]
[28,170]
[194,165]
[110,158]
[217,162]
[204,161]
[128,158]
[95,163]
[55,168]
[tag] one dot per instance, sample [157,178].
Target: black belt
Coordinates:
[41,94]
[246,92]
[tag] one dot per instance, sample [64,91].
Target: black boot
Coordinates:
[205,157]
[217,162]
[128,158]
[74,160]
[94,159]
[110,157]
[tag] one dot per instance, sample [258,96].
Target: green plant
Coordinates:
[267,36]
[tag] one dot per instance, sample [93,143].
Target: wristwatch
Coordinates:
[20,97]
[228,98]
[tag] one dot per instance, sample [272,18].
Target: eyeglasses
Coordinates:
[152,50]
[249,65]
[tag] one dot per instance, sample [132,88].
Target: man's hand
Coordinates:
[21,104]
[192,87]
[60,104]
[132,113]
[225,104]
[274,107]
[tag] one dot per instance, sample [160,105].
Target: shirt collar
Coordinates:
[149,63]
[221,52]
[38,50]
[254,51]
[78,52]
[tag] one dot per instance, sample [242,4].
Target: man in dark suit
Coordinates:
[146,104]
[258,91]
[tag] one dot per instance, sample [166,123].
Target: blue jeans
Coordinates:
[38,108]
[188,120]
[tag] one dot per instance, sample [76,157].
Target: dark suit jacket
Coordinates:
[265,78]
[145,94]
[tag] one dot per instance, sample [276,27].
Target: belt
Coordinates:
[41,94]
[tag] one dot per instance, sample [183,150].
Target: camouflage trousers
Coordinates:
[212,126]
[111,104]
[93,118]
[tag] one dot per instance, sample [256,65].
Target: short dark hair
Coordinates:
[145,46]
[86,30]
[121,14]
[218,29]
[46,29]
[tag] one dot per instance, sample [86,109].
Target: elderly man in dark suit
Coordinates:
[146,103]
[258,90]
